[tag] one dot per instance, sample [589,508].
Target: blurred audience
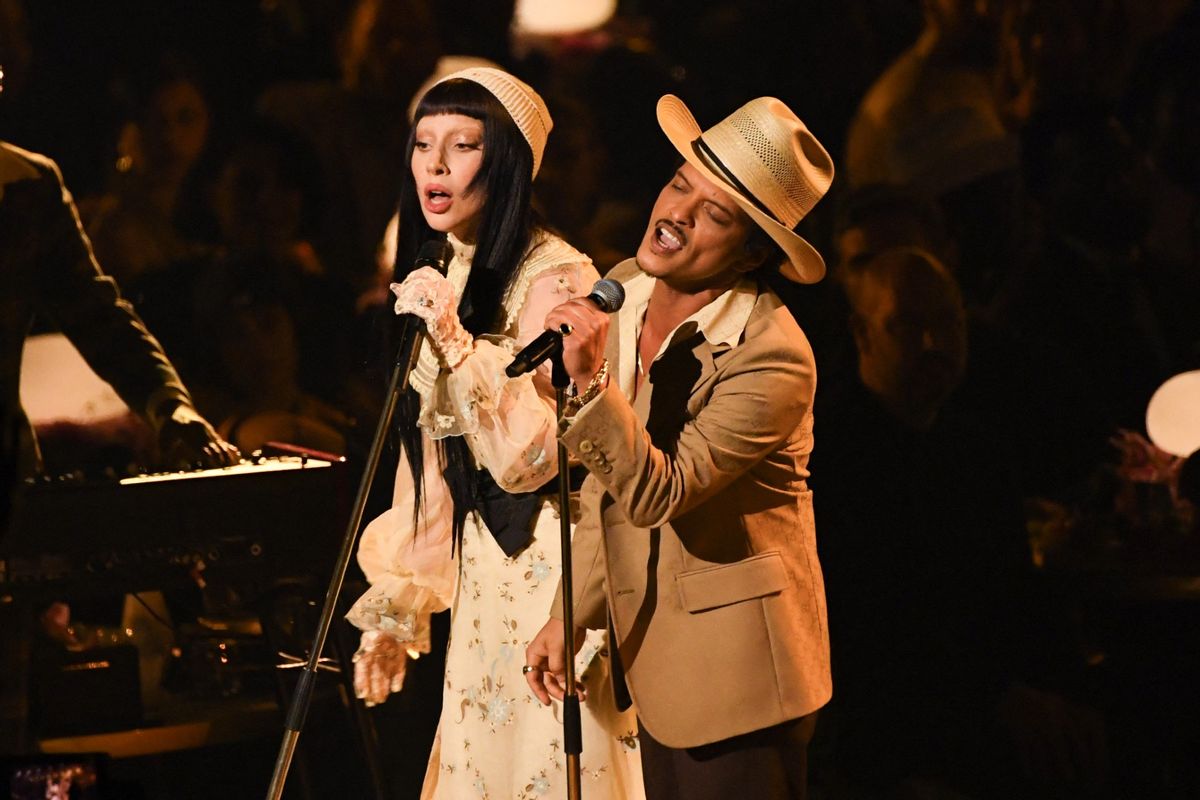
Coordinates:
[1052,454]
[932,121]
[932,600]
[262,325]
[156,211]
[357,126]
[1088,288]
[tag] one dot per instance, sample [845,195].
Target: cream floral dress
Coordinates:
[494,739]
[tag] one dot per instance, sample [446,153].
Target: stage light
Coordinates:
[561,17]
[1173,416]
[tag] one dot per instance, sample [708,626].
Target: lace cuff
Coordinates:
[451,340]
[400,605]
[458,398]
[427,294]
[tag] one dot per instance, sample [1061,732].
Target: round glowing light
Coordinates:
[561,17]
[1173,416]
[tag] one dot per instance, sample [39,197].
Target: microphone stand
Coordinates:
[572,731]
[302,697]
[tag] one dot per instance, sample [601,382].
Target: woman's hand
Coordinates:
[427,294]
[585,333]
[379,666]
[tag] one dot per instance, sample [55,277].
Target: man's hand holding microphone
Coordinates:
[579,328]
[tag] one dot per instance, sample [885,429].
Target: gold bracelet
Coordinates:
[577,402]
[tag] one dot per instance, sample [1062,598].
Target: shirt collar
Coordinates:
[721,321]
[462,251]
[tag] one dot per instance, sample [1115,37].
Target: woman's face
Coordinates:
[177,126]
[447,154]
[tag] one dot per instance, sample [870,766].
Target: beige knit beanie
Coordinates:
[523,104]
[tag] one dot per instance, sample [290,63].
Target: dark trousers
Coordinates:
[770,764]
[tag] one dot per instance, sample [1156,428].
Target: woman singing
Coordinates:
[474,520]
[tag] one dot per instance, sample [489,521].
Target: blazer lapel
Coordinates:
[706,354]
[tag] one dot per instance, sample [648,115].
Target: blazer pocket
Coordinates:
[713,587]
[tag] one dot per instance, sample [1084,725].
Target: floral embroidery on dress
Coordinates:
[511,645]
[534,455]
[487,701]
[403,628]
[476,641]
[628,740]
[537,786]
[547,253]
[538,569]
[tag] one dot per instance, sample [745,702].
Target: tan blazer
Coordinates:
[696,532]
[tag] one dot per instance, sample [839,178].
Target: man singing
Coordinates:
[696,544]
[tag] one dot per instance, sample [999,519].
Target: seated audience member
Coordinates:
[878,217]
[927,570]
[154,213]
[357,126]
[1020,374]
[1089,290]
[932,121]
[267,200]
[868,220]
[255,340]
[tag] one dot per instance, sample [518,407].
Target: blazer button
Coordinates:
[586,446]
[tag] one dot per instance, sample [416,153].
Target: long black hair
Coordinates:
[506,227]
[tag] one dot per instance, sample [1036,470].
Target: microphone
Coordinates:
[435,253]
[606,294]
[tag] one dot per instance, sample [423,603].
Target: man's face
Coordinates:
[911,337]
[696,236]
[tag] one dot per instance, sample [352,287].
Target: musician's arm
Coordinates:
[103,326]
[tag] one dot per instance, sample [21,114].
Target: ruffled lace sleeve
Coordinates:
[510,424]
[409,568]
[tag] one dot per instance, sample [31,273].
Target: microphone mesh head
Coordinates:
[608,295]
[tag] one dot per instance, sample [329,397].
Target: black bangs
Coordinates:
[459,96]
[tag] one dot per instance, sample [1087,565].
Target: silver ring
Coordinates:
[528,668]
[566,329]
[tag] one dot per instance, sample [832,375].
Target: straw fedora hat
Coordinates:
[768,162]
